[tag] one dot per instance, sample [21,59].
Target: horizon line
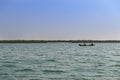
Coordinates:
[54,41]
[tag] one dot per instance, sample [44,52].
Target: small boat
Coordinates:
[91,44]
[87,45]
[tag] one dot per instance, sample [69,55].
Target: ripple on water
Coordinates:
[53,71]
[117,65]
[9,62]
[51,60]
[24,70]
[35,79]
[55,79]
[4,74]
[82,79]
[9,65]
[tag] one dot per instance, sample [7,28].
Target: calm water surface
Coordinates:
[59,61]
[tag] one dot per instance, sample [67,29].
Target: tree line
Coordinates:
[53,41]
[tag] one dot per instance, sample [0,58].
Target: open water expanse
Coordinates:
[59,61]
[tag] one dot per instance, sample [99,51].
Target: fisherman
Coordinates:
[92,44]
[84,44]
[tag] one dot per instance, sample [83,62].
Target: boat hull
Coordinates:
[86,45]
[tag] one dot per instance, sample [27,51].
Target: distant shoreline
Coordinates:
[60,41]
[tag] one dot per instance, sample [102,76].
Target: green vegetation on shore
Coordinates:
[53,41]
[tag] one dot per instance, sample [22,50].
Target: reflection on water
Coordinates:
[59,61]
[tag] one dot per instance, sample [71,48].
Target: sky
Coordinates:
[59,20]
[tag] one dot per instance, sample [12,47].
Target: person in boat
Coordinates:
[84,44]
[91,44]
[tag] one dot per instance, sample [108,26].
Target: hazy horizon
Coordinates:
[59,20]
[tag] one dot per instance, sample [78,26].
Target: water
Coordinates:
[59,61]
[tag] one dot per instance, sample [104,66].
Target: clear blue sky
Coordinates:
[60,19]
